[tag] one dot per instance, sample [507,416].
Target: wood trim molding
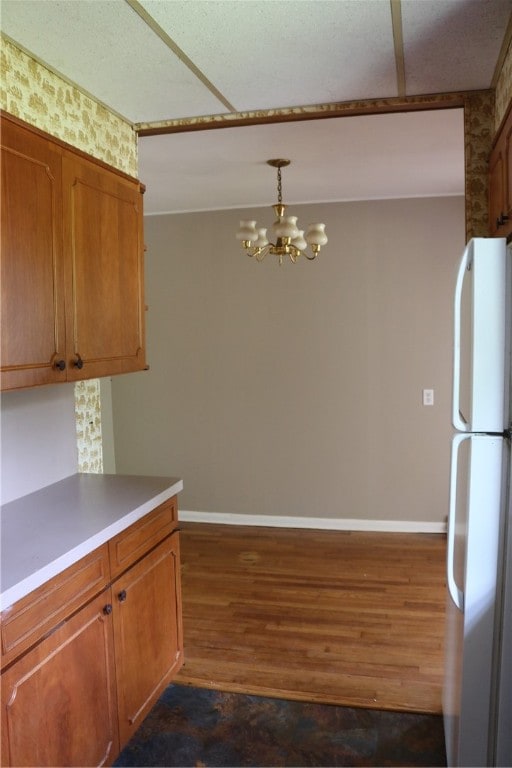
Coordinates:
[312,112]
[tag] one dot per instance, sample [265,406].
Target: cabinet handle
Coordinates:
[78,363]
[60,364]
[501,220]
[107,610]
[122,596]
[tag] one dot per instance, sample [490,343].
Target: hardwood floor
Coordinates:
[348,618]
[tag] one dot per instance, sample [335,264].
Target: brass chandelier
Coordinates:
[289,239]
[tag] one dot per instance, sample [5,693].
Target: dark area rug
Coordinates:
[199,727]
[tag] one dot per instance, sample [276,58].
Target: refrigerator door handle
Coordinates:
[457,420]
[456,594]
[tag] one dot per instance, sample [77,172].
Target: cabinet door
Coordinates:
[496,189]
[103,238]
[507,141]
[58,701]
[500,182]
[148,632]
[32,289]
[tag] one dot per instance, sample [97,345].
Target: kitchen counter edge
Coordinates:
[91,531]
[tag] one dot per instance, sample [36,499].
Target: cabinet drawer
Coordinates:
[130,545]
[35,615]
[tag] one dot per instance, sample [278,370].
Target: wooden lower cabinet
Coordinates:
[79,677]
[148,632]
[59,700]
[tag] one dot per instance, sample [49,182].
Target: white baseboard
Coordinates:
[321,523]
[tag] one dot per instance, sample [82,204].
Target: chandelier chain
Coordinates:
[279,187]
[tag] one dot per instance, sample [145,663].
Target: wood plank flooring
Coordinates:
[349,618]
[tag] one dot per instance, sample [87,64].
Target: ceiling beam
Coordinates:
[314,112]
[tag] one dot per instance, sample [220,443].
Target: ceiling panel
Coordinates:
[452,45]
[263,55]
[104,47]
[152,60]
[349,158]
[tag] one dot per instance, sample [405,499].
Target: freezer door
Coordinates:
[479,355]
[502,715]
[472,571]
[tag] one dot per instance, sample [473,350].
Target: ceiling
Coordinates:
[165,60]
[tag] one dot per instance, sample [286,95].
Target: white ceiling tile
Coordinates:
[452,45]
[104,47]
[263,54]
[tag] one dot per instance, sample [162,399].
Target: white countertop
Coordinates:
[45,532]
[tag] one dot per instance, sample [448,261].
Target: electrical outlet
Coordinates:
[428,397]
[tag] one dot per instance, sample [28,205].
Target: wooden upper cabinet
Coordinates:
[508,171]
[496,189]
[500,182]
[32,277]
[103,239]
[71,263]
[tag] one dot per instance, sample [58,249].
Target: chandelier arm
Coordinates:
[258,252]
[280,250]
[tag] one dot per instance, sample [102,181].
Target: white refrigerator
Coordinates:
[477,695]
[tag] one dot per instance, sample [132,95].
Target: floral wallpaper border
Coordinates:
[478,137]
[314,111]
[33,93]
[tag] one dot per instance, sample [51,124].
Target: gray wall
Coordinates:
[297,390]
[38,439]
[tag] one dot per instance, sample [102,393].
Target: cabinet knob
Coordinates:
[122,596]
[501,220]
[78,363]
[107,610]
[60,364]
